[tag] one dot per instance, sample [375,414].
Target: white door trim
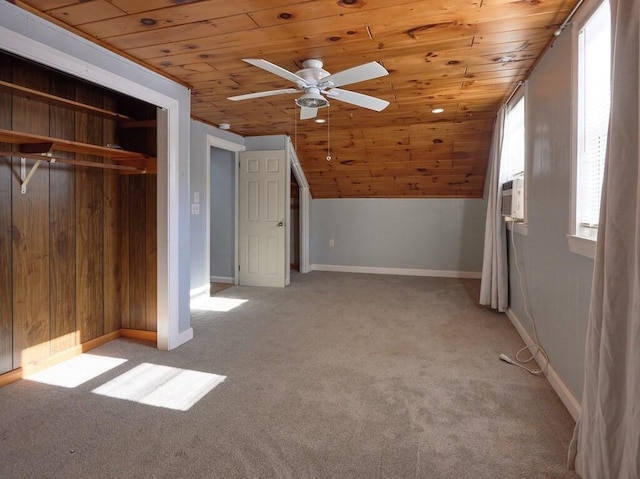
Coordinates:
[304,203]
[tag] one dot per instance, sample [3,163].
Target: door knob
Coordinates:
[281,224]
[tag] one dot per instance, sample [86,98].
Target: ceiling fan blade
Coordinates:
[261,94]
[307,113]
[276,70]
[358,99]
[367,71]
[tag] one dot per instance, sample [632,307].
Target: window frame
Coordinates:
[520,227]
[578,244]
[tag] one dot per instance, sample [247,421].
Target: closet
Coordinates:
[77,216]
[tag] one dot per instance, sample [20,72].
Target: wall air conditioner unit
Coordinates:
[513,199]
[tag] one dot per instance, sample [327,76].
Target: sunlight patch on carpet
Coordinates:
[76,371]
[215,303]
[161,386]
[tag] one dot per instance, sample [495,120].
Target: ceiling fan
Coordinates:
[316,82]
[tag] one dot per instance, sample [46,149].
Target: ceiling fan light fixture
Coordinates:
[312,100]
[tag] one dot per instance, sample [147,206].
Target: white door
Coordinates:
[261,208]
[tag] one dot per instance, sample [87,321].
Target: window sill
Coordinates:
[519,228]
[582,246]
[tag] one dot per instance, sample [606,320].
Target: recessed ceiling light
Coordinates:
[224,126]
[320,120]
[437,110]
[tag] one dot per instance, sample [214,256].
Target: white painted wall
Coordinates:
[558,282]
[415,236]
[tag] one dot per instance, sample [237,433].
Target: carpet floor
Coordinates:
[336,376]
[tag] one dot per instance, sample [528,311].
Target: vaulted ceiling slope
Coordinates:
[465,56]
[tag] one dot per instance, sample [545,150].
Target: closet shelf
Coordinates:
[129,162]
[59,101]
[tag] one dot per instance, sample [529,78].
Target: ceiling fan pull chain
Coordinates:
[329,133]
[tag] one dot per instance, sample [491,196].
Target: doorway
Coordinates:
[222,207]
[218,147]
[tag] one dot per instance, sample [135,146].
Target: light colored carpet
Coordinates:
[337,376]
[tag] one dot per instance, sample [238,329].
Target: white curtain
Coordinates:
[606,441]
[494,287]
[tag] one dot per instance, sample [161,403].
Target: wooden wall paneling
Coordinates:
[6,303]
[113,264]
[122,210]
[151,223]
[89,224]
[151,250]
[141,213]
[62,225]
[30,233]
[137,252]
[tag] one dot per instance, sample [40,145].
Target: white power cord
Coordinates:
[534,348]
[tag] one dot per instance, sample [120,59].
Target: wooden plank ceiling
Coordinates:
[465,56]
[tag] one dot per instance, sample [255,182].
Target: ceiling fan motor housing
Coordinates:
[312,74]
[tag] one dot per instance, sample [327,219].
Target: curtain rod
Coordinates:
[568,19]
[518,85]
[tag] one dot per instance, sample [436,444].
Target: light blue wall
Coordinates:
[199,160]
[429,234]
[558,282]
[223,190]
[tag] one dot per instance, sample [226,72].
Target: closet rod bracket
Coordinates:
[41,148]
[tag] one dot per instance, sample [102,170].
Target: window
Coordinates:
[512,164]
[593,102]
[512,157]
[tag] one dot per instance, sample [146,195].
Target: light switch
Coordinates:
[196,197]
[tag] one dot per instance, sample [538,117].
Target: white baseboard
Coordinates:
[564,393]
[204,289]
[222,279]
[436,273]
[182,338]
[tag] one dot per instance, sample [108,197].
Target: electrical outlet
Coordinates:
[195,209]
[331,243]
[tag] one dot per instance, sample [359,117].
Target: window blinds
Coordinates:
[594,60]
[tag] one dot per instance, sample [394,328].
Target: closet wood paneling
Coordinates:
[151,252]
[137,255]
[6,306]
[111,233]
[30,230]
[89,217]
[62,227]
